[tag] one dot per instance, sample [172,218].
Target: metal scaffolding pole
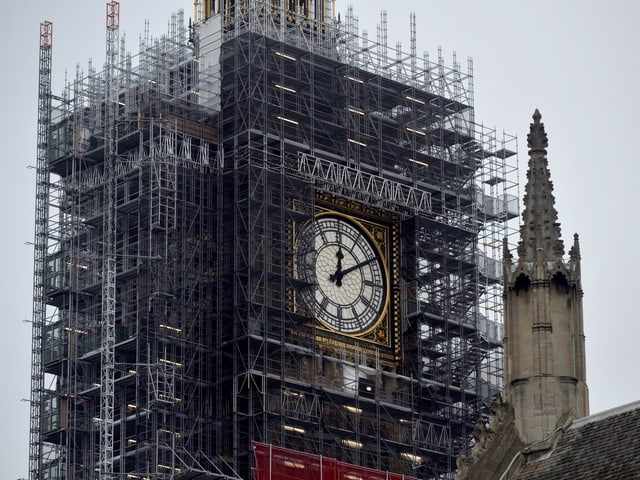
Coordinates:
[40,249]
[109,260]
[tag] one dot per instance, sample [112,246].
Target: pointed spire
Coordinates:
[574,253]
[506,254]
[537,138]
[540,230]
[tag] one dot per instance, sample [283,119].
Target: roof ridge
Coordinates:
[635,405]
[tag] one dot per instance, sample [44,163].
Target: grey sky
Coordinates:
[575,60]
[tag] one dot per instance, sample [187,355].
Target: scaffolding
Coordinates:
[169,327]
[36,448]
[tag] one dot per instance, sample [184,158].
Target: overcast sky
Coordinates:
[577,61]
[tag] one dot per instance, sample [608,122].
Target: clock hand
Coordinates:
[337,277]
[340,256]
[359,265]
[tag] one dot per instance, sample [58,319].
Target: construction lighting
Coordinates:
[355,110]
[167,467]
[285,88]
[292,393]
[290,428]
[78,265]
[288,120]
[424,164]
[76,330]
[131,441]
[416,100]
[355,79]
[292,464]
[173,329]
[284,55]
[351,443]
[351,409]
[169,362]
[132,371]
[356,142]
[351,476]
[418,132]
[411,457]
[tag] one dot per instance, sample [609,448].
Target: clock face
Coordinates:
[348,275]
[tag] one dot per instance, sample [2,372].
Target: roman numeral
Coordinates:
[324,303]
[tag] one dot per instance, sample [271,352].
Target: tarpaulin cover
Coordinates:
[278,463]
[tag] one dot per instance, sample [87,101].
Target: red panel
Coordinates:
[113,15]
[278,463]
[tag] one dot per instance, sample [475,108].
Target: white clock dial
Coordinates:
[345,273]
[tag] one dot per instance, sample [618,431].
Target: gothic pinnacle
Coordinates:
[537,138]
[540,230]
[575,249]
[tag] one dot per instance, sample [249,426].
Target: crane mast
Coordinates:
[40,249]
[109,262]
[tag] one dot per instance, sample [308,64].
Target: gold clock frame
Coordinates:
[383,230]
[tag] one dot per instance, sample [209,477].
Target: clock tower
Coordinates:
[302,231]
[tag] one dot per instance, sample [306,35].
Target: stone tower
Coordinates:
[545,379]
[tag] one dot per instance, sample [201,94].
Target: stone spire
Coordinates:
[545,379]
[540,230]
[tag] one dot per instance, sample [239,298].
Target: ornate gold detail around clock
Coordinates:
[379,230]
[349,286]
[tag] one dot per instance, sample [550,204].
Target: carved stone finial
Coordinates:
[574,253]
[537,138]
[482,436]
[498,410]
[506,254]
[537,116]
[463,462]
